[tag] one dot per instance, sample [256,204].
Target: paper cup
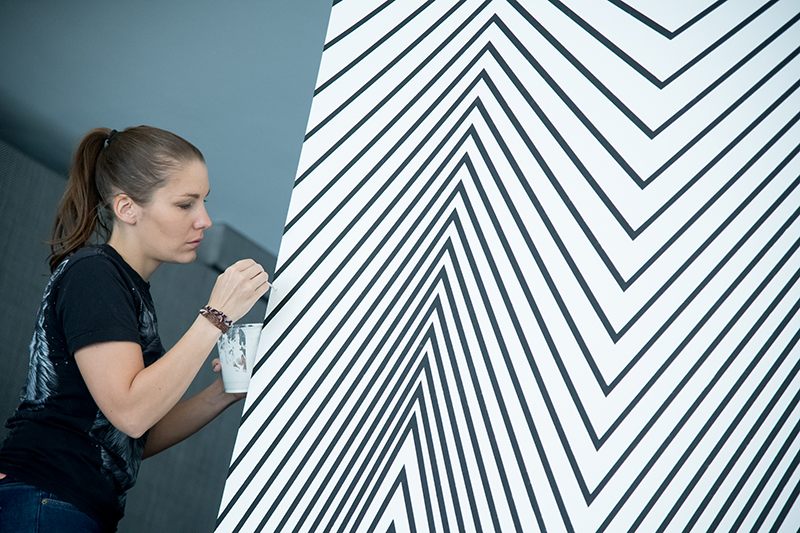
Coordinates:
[237,354]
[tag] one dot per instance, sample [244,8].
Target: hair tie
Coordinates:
[111,137]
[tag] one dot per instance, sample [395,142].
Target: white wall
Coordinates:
[539,273]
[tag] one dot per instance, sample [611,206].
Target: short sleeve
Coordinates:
[94,304]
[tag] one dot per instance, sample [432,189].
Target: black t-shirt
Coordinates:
[59,440]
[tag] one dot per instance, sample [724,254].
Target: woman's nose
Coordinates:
[203,221]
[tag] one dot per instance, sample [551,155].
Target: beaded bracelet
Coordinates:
[217,318]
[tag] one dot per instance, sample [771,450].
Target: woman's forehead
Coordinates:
[189,180]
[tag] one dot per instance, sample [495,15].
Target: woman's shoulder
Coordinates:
[87,258]
[96,256]
[97,273]
[93,267]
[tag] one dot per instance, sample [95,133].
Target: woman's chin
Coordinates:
[185,257]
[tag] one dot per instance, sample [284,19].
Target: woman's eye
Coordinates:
[185,206]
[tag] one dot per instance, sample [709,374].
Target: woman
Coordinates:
[101,394]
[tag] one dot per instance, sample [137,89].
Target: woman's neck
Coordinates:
[132,253]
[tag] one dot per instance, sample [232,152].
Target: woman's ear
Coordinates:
[125,209]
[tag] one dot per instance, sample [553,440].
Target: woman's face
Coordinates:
[173,221]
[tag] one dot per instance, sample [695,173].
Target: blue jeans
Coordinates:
[26,509]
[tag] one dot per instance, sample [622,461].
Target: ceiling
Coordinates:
[234,78]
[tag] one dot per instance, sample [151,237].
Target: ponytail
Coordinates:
[136,161]
[77,216]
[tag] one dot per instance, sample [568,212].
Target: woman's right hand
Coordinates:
[239,288]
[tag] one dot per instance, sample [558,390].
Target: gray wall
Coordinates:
[178,490]
[234,78]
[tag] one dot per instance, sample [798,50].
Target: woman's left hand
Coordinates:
[217,367]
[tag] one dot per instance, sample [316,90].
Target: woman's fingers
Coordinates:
[259,278]
[257,273]
[238,288]
[254,271]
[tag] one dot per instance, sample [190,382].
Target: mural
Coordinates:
[539,273]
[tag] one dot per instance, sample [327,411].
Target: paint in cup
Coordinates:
[237,354]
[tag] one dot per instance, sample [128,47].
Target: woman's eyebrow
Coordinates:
[192,194]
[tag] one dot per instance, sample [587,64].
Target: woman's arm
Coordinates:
[189,416]
[134,397]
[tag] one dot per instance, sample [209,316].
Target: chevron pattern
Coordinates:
[539,273]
